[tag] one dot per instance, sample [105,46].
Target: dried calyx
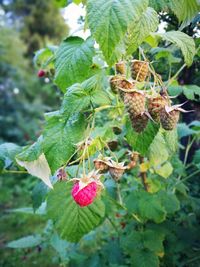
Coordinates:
[134,158]
[115,169]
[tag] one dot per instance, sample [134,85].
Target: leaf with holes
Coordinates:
[72,221]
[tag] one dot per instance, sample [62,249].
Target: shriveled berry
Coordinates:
[139,122]
[85,196]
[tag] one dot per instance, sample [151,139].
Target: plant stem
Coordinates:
[176,74]
[186,178]
[143,176]
[119,194]
[189,145]
[17,172]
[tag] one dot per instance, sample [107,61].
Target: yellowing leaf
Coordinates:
[39,168]
[165,171]
[144,166]
[161,254]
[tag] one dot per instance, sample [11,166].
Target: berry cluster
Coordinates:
[142,105]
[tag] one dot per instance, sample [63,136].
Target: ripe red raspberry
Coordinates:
[41,73]
[86,195]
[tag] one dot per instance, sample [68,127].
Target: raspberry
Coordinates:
[114,83]
[139,122]
[120,67]
[41,73]
[169,119]
[117,82]
[155,105]
[139,70]
[85,196]
[135,103]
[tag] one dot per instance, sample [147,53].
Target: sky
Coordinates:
[71,15]
[73,12]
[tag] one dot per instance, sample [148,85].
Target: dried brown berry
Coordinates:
[101,165]
[139,122]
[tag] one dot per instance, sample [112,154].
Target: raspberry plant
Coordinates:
[106,156]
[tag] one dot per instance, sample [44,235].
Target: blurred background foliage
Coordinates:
[26,26]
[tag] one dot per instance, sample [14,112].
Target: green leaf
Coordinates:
[30,153]
[165,170]
[61,135]
[159,5]
[44,58]
[184,130]
[140,29]
[108,21]
[169,201]
[146,205]
[73,61]
[158,151]
[153,242]
[38,194]
[192,92]
[175,90]
[144,258]
[183,41]
[8,151]
[146,239]
[60,246]
[147,137]
[75,100]
[71,220]
[185,10]
[150,208]
[80,96]
[60,3]
[26,242]
[171,140]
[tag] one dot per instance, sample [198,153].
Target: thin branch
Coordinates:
[143,175]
